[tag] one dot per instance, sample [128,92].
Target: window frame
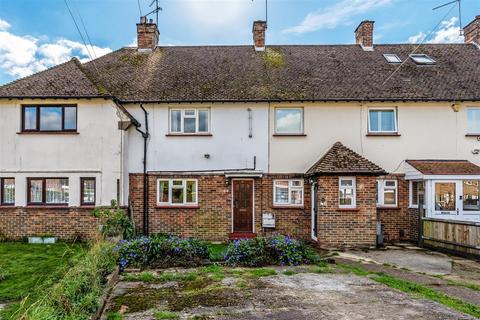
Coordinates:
[184,185]
[82,189]
[182,121]
[395,117]
[44,192]
[468,122]
[302,121]
[410,194]
[395,56]
[353,187]
[290,188]
[38,122]
[2,187]
[381,187]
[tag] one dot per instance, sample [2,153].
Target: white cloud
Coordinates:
[4,25]
[449,32]
[332,16]
[21,56]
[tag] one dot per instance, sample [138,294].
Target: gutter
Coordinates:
[145,135]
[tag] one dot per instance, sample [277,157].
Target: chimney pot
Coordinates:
[147,34]
[259,29]
[364,34]
[472,31]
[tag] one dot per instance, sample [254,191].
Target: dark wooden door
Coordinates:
[242,206]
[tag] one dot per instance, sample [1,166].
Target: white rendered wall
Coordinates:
[94,152]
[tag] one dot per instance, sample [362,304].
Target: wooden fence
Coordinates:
[455,236]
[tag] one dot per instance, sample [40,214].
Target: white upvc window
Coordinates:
[177,192]
[189,121]
[289,121]
[473,120]
[288,192]
[347,192]
[382,120]
[387,193]
[416,187]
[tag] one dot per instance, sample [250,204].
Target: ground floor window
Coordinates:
[445,196]
[52,191]
[387,193]
[471,195]
[177,192]
[288,192]
[87,191]
[416,188]
[347,192]
[7,191]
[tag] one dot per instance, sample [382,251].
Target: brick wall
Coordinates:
[346,227]
[17,223]
[396,221]
[212,218]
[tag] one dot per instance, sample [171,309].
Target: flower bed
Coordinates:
[280,250]
[161,251]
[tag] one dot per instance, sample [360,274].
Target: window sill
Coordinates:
[289,135]
[87,206]
[383,134]
[177,207]
[49,132]
[7,205]
[475,135]
[288,207]
[39,206]
[348,209]
[389,207]
[188,135]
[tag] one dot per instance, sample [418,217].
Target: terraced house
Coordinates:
[334,143]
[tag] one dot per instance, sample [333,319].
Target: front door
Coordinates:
[314,210]
[242,205]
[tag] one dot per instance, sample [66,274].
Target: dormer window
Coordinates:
[392,58]
[422,59]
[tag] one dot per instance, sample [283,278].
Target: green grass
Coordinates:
[161,315]
[26,268]
[354,269]
[114,316]
[289,272]
[145,276]
[260,272]
[217,251]
[214,270]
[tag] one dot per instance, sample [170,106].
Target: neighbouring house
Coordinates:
[333,143]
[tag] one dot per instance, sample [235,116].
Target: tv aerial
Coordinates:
[156,9]
[455,2]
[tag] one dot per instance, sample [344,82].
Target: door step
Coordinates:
[241,235]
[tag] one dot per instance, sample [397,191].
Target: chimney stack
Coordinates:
[259,29]
[472,31]
[147,34]
[364,34]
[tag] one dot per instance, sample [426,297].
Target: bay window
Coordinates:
[347,192]
[189,121]
[288,192]
[49,191]
[387,193]
[177,192]
[7,191]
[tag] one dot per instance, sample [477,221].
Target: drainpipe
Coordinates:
[145,134]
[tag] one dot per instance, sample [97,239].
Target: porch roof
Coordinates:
[342,160]
[445,167]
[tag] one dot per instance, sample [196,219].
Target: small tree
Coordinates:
[115,221]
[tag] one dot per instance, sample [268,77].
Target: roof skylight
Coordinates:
[422,59]
[392,58]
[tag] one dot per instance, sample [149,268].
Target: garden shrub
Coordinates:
[161,251]
[280,250]
[115,221]
[76,295]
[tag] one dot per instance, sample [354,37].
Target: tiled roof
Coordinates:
[445,167]
[238,73]
[342,160]
[64,80]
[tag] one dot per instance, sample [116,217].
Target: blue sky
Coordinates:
[37,34]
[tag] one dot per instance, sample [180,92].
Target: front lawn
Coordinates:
[24,268]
